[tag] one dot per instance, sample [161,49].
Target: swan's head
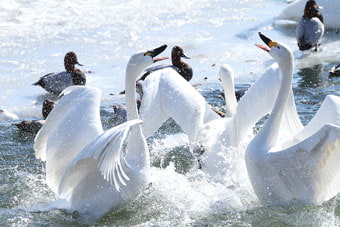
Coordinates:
[279,51]
[139,61]
[226,74]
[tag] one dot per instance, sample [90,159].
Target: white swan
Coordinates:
[310,28]
[259,100]
[167,95]
[102,176]
[305,168]
[330,9]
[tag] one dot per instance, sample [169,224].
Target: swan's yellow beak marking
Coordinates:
[149,53]
[272,44]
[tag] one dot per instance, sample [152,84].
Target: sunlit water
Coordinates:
[34,37]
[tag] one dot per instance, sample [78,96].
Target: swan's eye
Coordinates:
[278,47]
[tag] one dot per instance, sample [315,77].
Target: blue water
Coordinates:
[35,35]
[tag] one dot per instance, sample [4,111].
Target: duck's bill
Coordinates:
[184,56]
[79,64]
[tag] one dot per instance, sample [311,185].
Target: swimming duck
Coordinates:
[33,126]
[56,82]
[310,28]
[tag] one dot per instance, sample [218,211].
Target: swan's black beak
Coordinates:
[153,53]
[267,41]
[79,64]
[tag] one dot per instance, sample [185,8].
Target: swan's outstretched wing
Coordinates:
[70,126]
[259,101]
[310,169]
[167,94]
[104,155]
[329,112]
[151,111]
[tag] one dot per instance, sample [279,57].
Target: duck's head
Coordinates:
[177,53]
[139,61]
[279,51]
[311,9]
[70,61]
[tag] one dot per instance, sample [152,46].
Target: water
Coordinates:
[34,37]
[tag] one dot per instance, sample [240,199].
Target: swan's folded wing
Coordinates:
[107,152]
[310,169]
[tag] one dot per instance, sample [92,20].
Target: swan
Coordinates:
[305,167]
[56,82]
[310,28]
[167,94]
[100,176]
[33,126]
[330,8]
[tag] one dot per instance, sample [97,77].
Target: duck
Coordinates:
[310,28]
[335,71]
[304,168]
[55,83]
[93,172]
[329,8]
[33,126]
[183,68]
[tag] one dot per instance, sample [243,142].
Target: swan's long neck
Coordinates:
[137,153]
[130,92]
[230,98]
[269,132]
